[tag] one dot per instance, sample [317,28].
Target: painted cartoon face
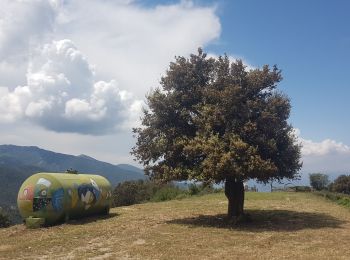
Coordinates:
[89,193]
[41,199]
[27,194]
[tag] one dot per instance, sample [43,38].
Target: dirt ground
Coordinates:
[283,226]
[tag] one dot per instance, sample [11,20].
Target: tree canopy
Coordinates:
[214,120]
[318,181]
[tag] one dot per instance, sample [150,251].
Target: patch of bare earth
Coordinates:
[284,226]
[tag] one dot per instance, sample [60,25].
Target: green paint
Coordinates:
[34,222]
[60,196]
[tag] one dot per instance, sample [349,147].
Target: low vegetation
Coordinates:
[340,198]
[341,184]
[320,182]
[285,225]
[134,192]
[4,219]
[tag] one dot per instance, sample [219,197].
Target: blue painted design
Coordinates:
[57,199]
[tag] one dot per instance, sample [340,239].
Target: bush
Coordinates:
[301,188]
[341,199]
[4,220]
[133,192]
[193,189]
[167,193]
[341,184]
[200,189]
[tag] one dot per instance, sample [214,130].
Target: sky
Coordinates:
[74,74]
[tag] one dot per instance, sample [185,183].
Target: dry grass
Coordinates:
[285,225]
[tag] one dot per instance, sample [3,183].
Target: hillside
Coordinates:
[285,225]
[19,162]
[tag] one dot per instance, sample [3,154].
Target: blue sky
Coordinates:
[74,74]
[310,42]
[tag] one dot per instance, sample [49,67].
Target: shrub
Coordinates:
[301,188]
[166,193]
[193,189]
[341,184]
[4,220]
[200,189]
[341,199]
[132,192]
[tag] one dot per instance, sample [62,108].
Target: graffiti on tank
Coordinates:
[41,197]
[73,194]
[27,194]
[89,193]
[57,199]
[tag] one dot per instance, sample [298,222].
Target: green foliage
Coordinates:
[214,120]
[193,189]
[301,188]
[71,171]
[318,181]
[133,192]
[4,219]
[167,193]
[341,199]
[341,184]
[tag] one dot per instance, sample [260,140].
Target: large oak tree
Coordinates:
[215,121]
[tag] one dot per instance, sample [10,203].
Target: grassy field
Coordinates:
[284,226]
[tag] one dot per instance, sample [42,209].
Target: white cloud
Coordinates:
[134,44]
[328,156]
[129,44]
[23,24]
[62,95]
[323,148]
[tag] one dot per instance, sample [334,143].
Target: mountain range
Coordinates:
[19,162]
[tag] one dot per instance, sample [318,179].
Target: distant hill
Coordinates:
[19,162]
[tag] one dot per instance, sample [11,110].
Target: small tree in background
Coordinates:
[341,184]
[214,121]
[318,181]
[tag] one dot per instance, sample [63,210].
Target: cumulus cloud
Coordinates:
[48,81]
[323,148]
[328,156]
[61,94]
[134,43]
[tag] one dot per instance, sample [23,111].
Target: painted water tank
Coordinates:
[60,196]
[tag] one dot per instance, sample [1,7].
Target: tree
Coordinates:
[341,184]
[214,121]
[318,181]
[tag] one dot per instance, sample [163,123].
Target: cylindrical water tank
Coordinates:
[61,196]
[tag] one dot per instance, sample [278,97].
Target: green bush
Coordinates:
[193,189]
[341,199]
[201,189]
[167,193]
[133,192]
[341,184]
[4,220]
[301,188]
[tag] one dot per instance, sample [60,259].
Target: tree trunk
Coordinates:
[234,191]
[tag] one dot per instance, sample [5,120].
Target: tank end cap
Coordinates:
[32,222]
